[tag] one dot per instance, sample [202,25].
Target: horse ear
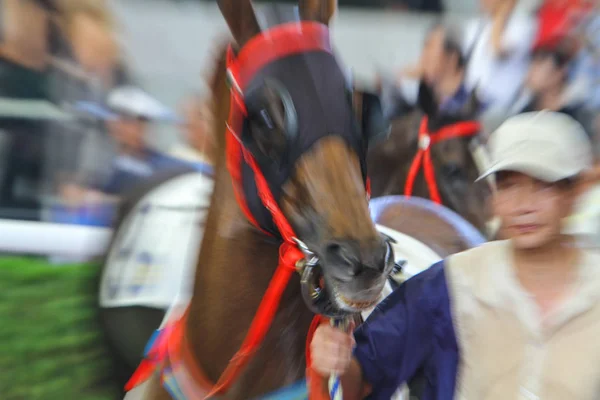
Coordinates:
[240,17]
[317,10]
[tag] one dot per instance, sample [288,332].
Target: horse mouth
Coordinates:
[328,300]
[352,305]
[326,297]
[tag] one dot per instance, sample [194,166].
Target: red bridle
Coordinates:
[279,42]
[423,157]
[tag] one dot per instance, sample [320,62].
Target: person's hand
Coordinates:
[331,350]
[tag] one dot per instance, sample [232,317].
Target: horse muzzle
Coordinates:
[327,300]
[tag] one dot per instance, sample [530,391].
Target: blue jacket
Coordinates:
[410,330]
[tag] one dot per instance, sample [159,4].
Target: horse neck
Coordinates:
[234,269]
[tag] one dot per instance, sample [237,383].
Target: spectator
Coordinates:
[24,27]
[498,47]
[437,83]
[86,63]
[549,86]
[557,18]
[199,135]
[586,68]
[135,160]
[90,30]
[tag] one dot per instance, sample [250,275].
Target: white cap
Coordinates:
[546,145]
[133,101]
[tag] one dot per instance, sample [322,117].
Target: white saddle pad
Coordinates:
[154,253]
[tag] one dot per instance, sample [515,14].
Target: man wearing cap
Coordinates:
[133,110]
[512,319]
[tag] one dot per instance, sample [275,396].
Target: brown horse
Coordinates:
[455,161]
[300,128]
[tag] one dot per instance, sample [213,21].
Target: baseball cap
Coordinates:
[132,101]
[545,145]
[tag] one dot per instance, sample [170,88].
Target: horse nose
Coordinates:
[354,259]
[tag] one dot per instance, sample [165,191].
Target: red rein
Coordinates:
[277,43]
[423,157]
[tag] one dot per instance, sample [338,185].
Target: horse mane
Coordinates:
[219,95]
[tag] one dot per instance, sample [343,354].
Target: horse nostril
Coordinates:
[344,255]
[333,249]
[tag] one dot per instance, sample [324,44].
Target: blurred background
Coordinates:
[99,97]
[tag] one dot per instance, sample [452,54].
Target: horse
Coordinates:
[290,142]
[414,252]
[418,257]
[456,156]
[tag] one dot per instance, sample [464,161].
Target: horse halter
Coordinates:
[242,69]
[255,185]
[423,156]
[306,122]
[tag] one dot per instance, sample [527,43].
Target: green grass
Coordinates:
[51,345]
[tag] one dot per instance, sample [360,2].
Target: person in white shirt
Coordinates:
[498,46]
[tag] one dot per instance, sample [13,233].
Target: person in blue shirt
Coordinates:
[511,319]
[135,160]
[436,86]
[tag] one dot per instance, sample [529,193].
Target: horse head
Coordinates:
[456,160]
[298,122]
[458,163]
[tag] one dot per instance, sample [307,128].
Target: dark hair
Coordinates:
[452,41]
[561,51]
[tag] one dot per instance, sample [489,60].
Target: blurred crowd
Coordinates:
[513,61]
[74,120]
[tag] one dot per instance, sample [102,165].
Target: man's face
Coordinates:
[129,133]
[531,211]
[543,74]
[433,56]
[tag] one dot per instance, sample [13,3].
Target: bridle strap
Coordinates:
[281,41]
[277,43]
[423,156]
